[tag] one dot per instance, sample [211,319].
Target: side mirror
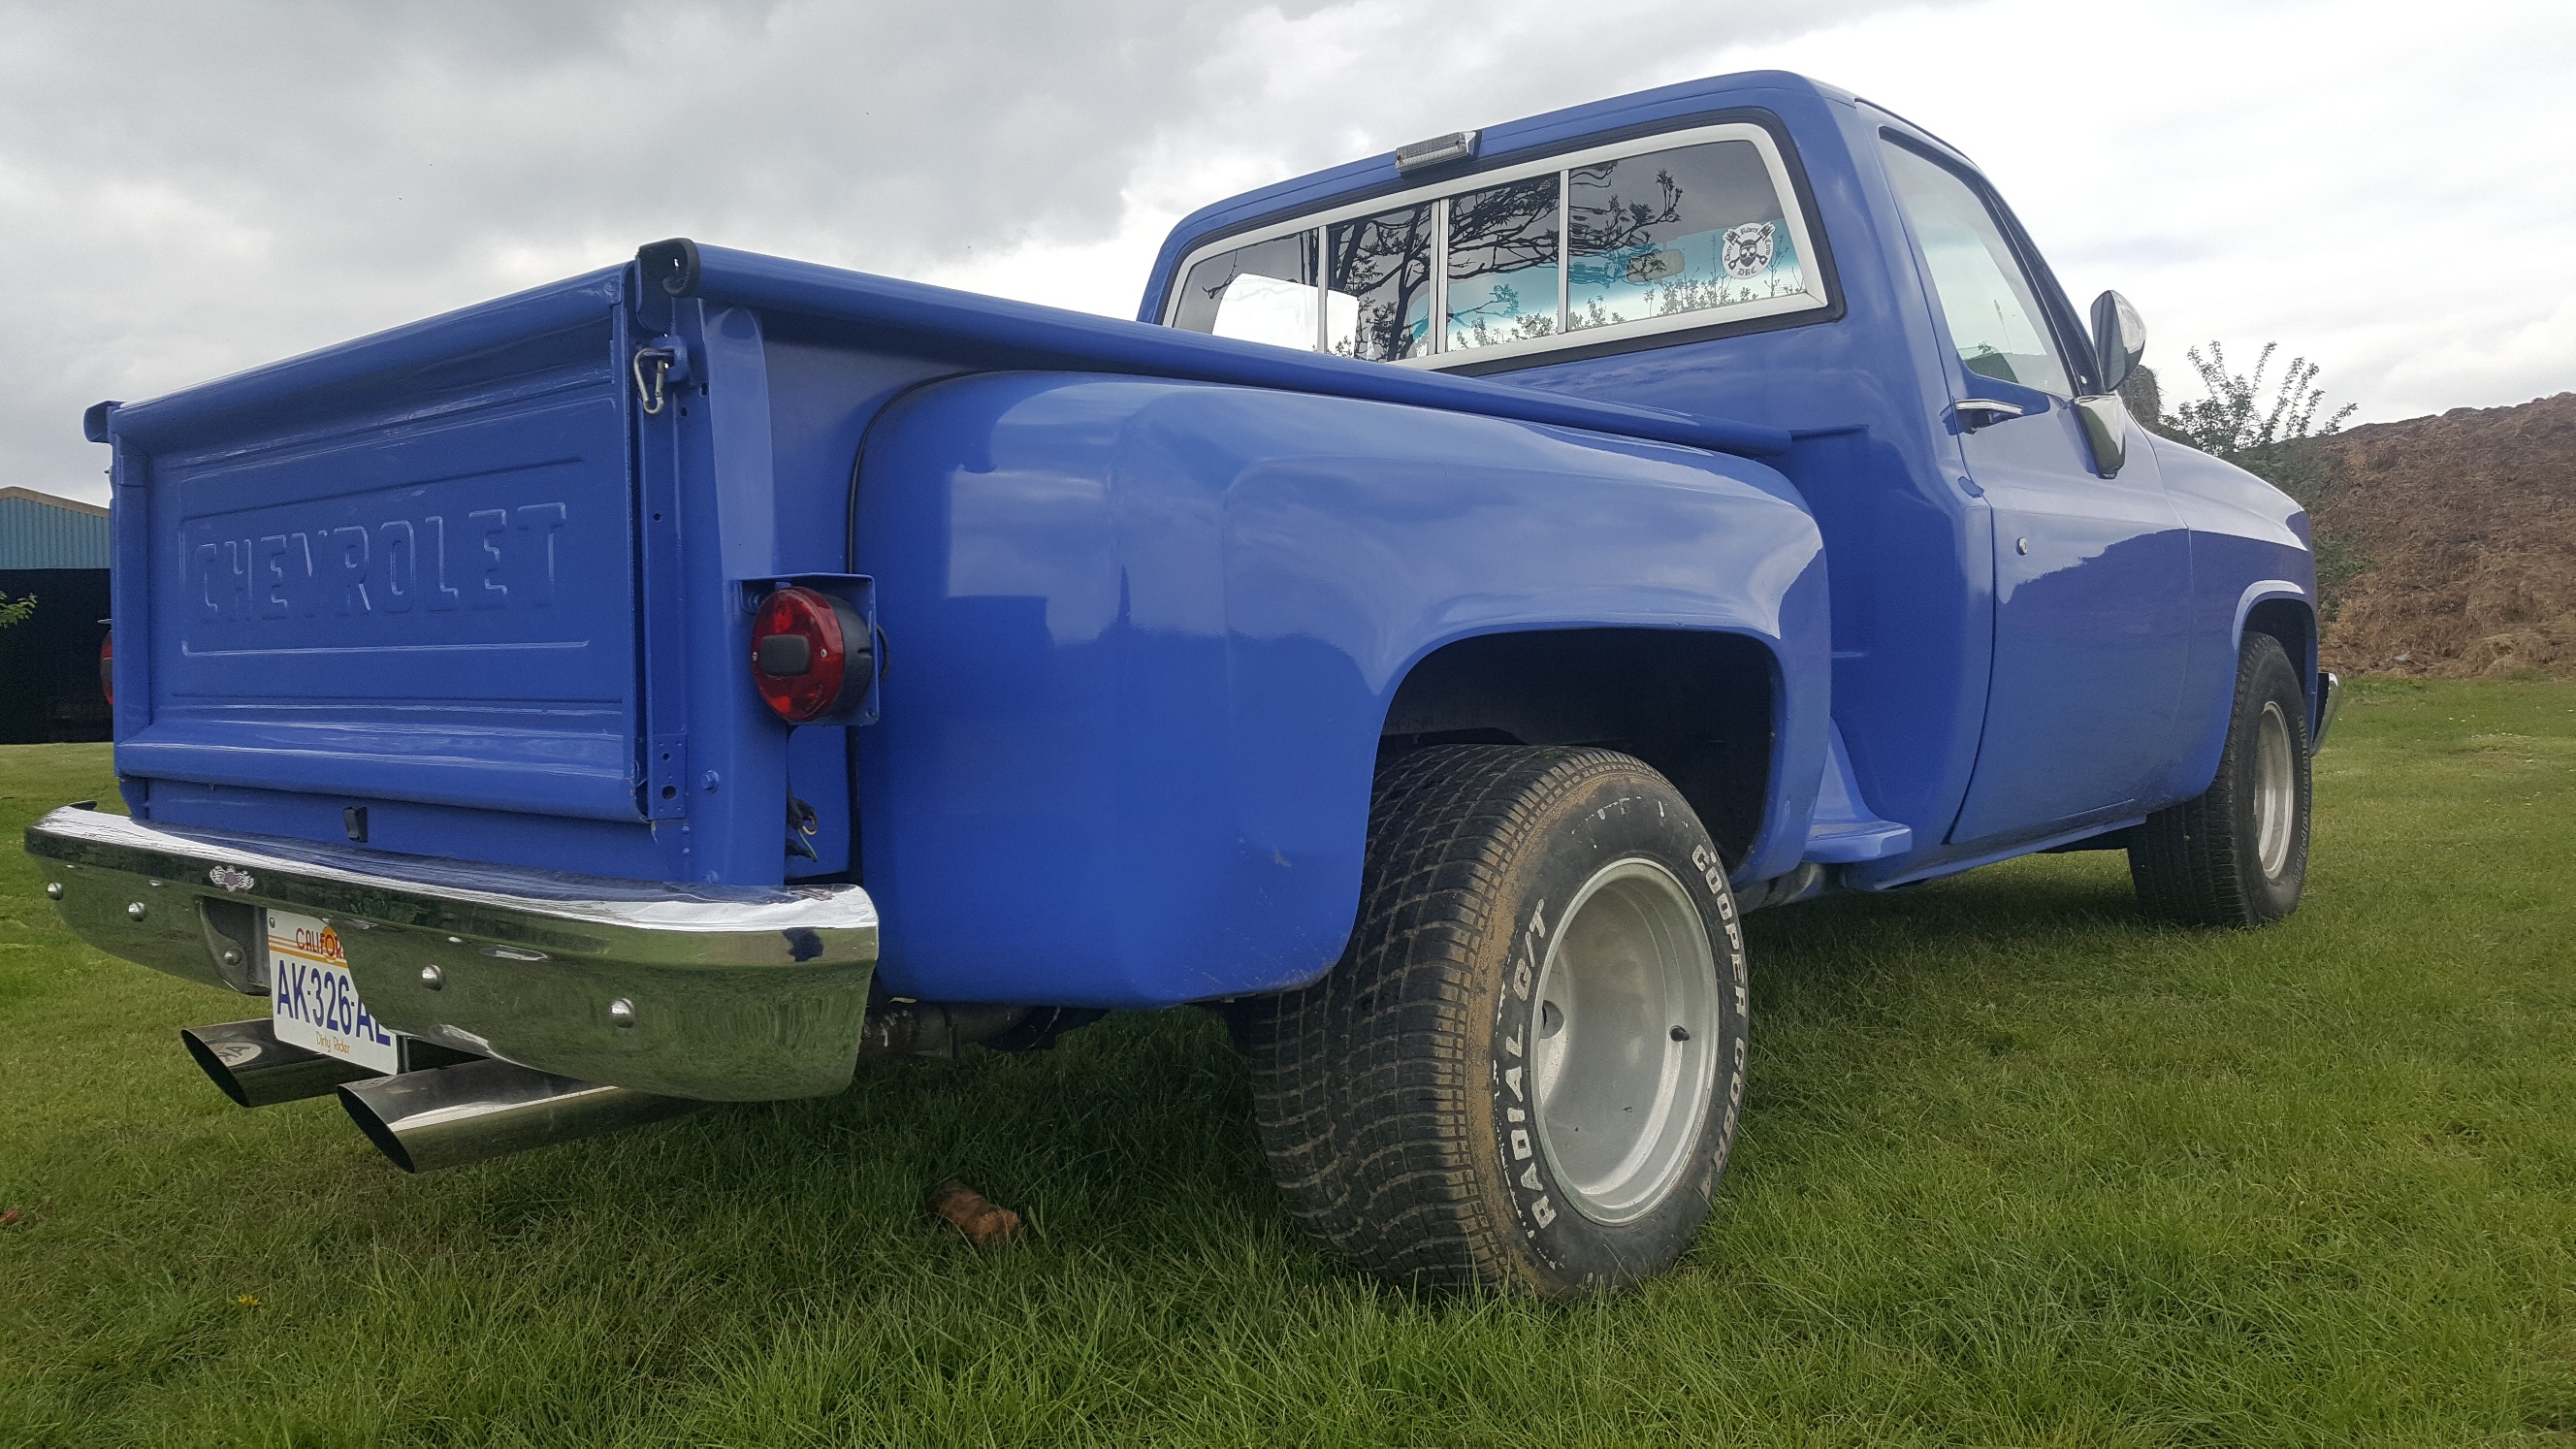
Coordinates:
[2119,339]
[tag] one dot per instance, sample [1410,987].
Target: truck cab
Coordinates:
[1479,574]
[2021,655]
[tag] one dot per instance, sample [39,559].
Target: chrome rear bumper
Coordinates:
[724,993]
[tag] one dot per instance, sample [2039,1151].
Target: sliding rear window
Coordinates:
[1681,231]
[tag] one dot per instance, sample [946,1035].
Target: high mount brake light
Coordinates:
[810,656]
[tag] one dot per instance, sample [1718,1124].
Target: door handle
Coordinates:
[1994,411]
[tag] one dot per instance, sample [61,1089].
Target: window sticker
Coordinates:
[1748,249]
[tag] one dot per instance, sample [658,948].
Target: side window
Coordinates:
[1995,318]
[1686,230]
[1261,293]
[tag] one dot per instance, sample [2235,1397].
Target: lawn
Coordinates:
[2015,1167]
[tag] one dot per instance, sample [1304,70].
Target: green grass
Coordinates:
[2015,1167]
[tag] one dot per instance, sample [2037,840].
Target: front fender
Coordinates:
[2250,546]
[1142,636]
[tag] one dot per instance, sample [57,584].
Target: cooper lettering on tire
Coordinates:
[1526,1070]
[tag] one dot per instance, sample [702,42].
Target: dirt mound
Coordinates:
[2462,528]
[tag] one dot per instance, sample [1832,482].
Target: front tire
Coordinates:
[1524,1072]
[2238,855]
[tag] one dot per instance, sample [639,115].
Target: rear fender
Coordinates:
[1142,636]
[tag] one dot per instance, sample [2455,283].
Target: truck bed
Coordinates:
[444,590]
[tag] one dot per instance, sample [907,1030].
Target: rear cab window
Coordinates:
[1679,232]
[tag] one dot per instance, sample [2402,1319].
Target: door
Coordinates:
[2092,573]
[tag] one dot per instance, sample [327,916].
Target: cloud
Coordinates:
[187,190]
[2377,189]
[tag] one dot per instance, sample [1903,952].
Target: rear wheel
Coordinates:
[2238,854]
[1525,1070]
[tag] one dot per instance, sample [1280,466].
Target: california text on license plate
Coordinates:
[313,1004]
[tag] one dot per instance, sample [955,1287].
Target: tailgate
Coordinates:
[404,570]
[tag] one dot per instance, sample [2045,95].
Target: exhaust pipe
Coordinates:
[255,1069]
[450,1116]
[934,1028]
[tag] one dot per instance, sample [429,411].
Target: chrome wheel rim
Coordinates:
[2276,789]
[1625,1028]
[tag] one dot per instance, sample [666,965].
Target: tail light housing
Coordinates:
[812,656]
[107,667]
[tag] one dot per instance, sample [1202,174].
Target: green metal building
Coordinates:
[55,549]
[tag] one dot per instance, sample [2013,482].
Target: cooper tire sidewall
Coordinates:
[1619,816]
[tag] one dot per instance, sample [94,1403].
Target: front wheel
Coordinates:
[1524,1072]
[2238,854]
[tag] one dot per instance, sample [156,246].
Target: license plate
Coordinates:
[311,1000]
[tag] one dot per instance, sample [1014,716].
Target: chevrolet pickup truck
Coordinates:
[1478,575]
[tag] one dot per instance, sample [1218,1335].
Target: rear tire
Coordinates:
[1525,1070]
[2238,855]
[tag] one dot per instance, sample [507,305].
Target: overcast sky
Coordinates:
[187,190]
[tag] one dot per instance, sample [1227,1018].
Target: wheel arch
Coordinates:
[2288,613]
[2278,609]
[1703,707]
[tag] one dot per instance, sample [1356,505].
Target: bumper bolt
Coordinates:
[432,977]
[231,956]
[135,910]
[622,1012]
[53,890]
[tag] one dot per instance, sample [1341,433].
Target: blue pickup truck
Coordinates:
[1478,575]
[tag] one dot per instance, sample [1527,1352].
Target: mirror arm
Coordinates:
[2106,430]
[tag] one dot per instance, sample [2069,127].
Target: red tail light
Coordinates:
[810,656]
[107,666]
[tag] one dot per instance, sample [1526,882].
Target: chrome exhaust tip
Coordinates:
[450,1116]
[255,1069]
